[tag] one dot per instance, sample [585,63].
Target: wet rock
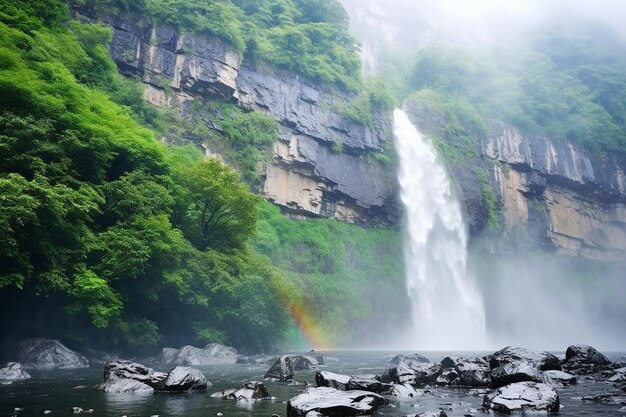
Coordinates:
[558,378]
[515,364]
[419,374]
[585,354]
[282,369]
[13,371]
[332,380]
[619,375]
[470,372]
[611,398]
[522,397]
[402,392]
[250,391]
[303,362]
[409,360]
[211,354]
[346,382]
[544,361]
[447,377]
[121,376]
[45,354]
[332,402]
[585,360]
[183,378]
[125,386]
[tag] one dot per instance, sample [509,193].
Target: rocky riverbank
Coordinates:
[581,381]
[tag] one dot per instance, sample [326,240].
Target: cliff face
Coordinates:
[577,202]
[306,177]
[549,195]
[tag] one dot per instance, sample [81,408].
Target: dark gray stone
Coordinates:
[585,360]
[347,382]
[515,364]
[13,371]
[409,360]
[125,386]
[282,369]
[183,378]
[419,374]
[558,378]
[211,354]
[585,354]
[250,391]
[470,372]
[45,354]
[334,403]
[522,397]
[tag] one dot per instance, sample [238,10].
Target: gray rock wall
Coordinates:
[306,177]
[550,194]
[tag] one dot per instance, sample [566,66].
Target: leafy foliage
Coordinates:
[308,37]
[345,282]
[564,85]
[104,235]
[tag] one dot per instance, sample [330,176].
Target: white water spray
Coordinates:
[448,312]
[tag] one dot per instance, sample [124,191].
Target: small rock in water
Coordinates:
[219,414]
[80,387]
[77,410]
[47,412]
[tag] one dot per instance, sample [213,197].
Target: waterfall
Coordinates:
[447,309]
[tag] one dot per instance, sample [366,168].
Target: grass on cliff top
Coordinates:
[309,37]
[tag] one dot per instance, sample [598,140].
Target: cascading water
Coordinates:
[448,312]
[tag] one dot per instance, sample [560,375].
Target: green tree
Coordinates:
[215,209]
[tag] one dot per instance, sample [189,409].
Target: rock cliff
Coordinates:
[306,177]
[549,194]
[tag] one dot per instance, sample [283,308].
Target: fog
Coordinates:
[538,300]
[408,24]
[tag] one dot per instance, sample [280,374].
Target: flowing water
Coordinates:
[59,391]
[448,312]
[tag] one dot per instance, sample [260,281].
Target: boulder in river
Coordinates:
[120,376]
[585,360]
[250,391]
[282,369]
[13,371]
[409,360]
[522,397]
[619,375]
[470,372]
[332,402]
[211,354]
[346,382]
[418,374]
[585,354]
[46,354]
[515,364]
[125,386]
[559,378]
[184,378]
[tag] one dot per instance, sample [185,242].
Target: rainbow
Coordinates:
[305,322]
[307,326]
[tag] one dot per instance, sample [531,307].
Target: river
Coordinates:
[59,391]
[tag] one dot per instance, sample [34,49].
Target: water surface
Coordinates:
[59,391]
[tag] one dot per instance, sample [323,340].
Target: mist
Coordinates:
[536,298]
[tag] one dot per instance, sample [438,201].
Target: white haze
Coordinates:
[408,24]
[532,301]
